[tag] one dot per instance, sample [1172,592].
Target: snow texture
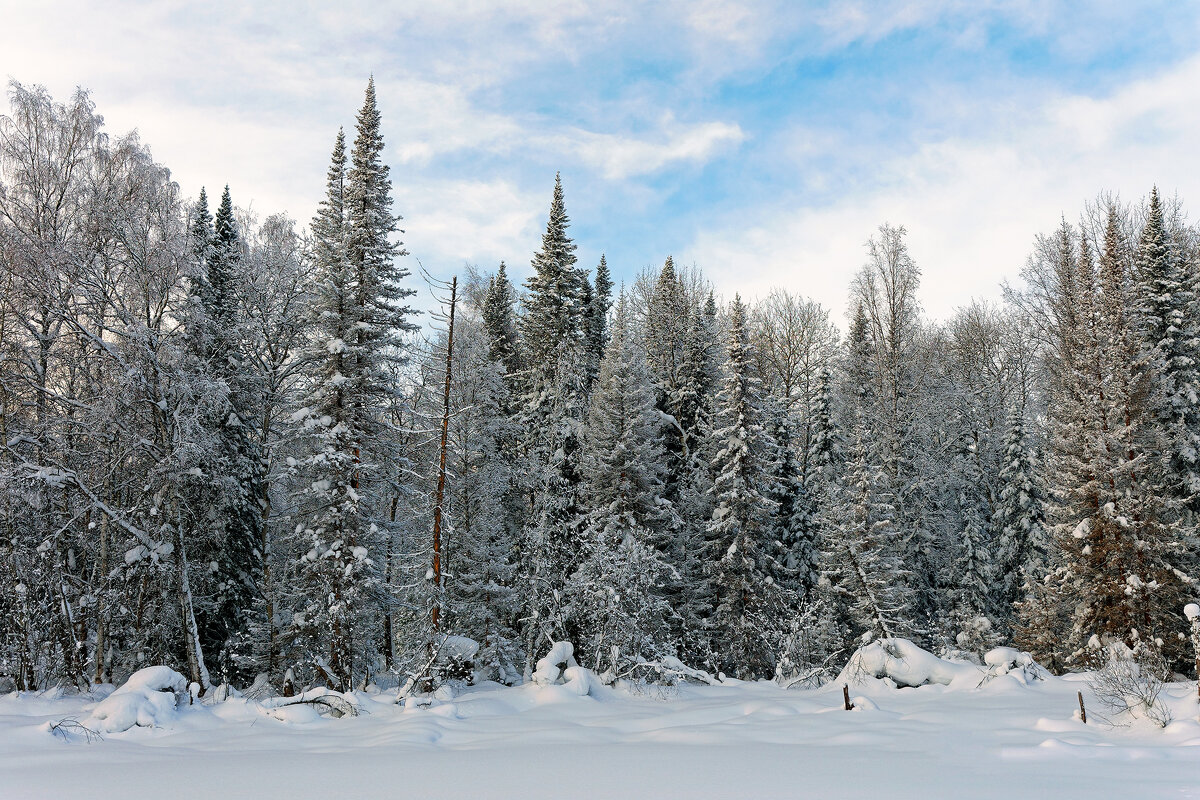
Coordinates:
[1002,739]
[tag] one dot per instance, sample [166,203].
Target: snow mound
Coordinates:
[907,665]
[559,668]
[148,699]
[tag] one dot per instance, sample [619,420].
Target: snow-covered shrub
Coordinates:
[455,659]
[976,636]
[906,665]
[148,699]
[321,699]
[1130,683]
[1010,661]
[559,668]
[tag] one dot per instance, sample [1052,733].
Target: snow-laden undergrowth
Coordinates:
[905,664]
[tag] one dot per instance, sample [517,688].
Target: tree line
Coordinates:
[224,442]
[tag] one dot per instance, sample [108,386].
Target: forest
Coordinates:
[233,446]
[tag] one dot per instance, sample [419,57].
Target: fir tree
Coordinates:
[553,322]
[1019,520]
[359,322]
[749,605]
[597,304]
[499,322]
[1166,302]
[794,530]
[238,558]
[863,565]
[617,594]
[554,380]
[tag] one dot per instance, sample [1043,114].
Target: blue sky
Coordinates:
[762,141]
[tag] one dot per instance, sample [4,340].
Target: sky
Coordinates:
[762,141]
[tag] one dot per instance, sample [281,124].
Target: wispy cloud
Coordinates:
[763,139]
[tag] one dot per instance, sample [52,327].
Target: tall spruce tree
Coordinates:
[616,596]
[1166,306]
[749,606]
[236,553]
[863,564]
[1020,518]
[359,326]
[554,384]
[499,322]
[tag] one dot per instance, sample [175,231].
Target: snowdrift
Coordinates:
[148,699]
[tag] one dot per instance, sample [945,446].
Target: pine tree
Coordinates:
[616,596]
[863,562]
[749,605]
[1020,517]
[1166,302]
[499,322]
[359,322]
[553,342]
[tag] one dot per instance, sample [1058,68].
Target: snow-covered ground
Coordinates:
[1007,738]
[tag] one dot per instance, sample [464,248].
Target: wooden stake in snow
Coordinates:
[1082,710]
[846,697]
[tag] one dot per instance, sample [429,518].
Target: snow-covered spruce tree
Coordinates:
[862,557]
[1020,517]
[1137,556]
[1166,286]
[687,549]
[359,321]
[553,386]
[596,322]
[666,324]
[1118,555]
[793,525]
[499,322]
[824,447]
[750,611]
[479,549]
[232,504]
[973,566]
[615,598]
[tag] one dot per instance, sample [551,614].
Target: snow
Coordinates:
[1191,611]
[1001,739]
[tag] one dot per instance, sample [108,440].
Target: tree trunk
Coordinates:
[441,484]
[197,671]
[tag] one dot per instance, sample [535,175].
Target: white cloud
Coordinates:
[450,223]
[973,206]
[620,157]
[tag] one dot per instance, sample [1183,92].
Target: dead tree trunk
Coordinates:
[435,614]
